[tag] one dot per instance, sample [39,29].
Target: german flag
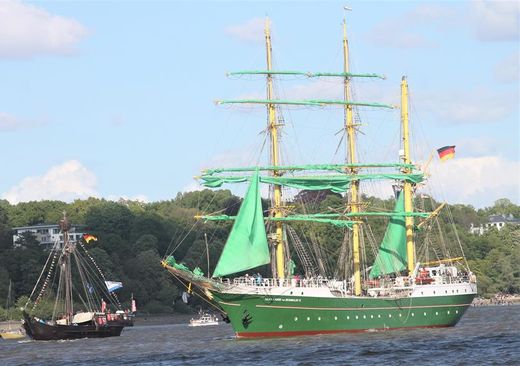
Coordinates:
[446,152]
[89,237]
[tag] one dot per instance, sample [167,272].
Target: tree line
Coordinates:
[134,236]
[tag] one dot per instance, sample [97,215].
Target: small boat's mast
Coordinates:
[351,148]
[275,157]
[408,205]
[66,268]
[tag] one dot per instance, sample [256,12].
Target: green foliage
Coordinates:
[133,237]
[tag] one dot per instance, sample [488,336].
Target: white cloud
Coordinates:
[387,35]
[249,31]
[9,122]
[496,20]
[27,31]
[64,182]
[489,20]
[478,181]
[508,70]
[468,106]
[405,31]
[480,146]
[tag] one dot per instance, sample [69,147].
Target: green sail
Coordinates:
[392,252]
[246,246]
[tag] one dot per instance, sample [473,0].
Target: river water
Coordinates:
[484,336]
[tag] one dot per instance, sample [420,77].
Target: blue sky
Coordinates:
[115,99]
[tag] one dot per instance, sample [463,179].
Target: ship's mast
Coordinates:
[407,190]
[275,158]
[66,268]
[351,148]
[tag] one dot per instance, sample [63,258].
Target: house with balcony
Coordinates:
[494,221]
[47,235]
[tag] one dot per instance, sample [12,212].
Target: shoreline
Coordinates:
[497,300]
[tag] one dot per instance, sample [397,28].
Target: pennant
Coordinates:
[446,152]
[185,297]
[112,285]
[89,237]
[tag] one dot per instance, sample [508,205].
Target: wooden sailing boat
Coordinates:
[399,292]
[91,289]
[10,332]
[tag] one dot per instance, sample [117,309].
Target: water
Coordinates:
[485,336]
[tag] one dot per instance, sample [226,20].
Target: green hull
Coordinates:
[272,316]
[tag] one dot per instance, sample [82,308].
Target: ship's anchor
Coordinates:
[246,319]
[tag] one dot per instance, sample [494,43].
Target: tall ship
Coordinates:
[405,286]
[72,298]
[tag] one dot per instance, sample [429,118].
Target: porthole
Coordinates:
[456,311]
[446,291]
[348,317]
[357,317]
[371,317]
[364,316]
[280,326]
[335,318]
[290,293]
[389,315]
[400,315]
[424,313]
[295,318]
[434,292]
[302,292]
[379,315]
[422,293]
[308,318]
[448,311]
[319,318]
[413,314]
[436,313]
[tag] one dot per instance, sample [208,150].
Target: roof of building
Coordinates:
[43,226]
[504,218]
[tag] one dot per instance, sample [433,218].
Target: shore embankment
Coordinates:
[497,300]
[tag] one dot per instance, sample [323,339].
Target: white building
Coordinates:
[48,234]
[496,221]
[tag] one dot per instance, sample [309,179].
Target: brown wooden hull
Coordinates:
[41,331]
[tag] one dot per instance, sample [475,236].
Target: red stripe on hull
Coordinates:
[315,332]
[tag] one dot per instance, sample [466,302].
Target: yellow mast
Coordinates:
[351,147]
[408,205]
[275,157]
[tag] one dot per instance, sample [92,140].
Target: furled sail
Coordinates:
[392,252]
[246,246]
[335,183]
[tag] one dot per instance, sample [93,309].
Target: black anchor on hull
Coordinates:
[246,319]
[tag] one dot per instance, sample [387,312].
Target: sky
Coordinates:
[115,99]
